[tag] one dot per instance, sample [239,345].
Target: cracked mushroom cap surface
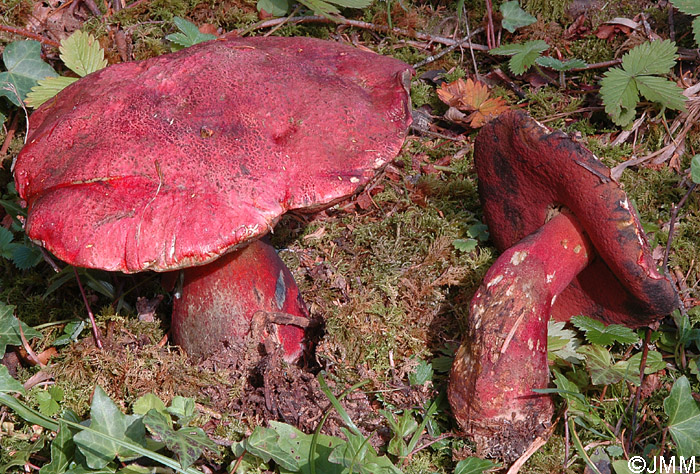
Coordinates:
[173,161]
[527,174]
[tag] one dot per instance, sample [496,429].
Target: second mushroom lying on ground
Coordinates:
[572,244]
[175,161]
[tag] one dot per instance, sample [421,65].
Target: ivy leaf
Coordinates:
[515,17]
[689,7]
[558,65]
[600,334]
[683,418]
[62,451]
[9,328]
[188,444]
[47,89]
[189,34]
[9,384]
[106,418]
[82,54]
[661,90]
[695,169]
[474,466]
[523,55]
[24,68]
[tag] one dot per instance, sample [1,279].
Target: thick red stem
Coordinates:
[504,355]
[218,302]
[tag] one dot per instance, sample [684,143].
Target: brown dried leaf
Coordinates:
[472,96]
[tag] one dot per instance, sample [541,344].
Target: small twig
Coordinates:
[638,394]
[428,444]
[29,34]
[10,134]
[355,23]
[30,352]
[490,36]
[449,49]
[511,333]
[291,15]
[672,223]
[95,331]
[48,259]
[600,176]
[536,444]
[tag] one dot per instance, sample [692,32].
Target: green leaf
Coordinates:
[358,455]
[9,329]
[689,7]
[48,400]
[620,95]
[523,55]
[653,57]
[108,419]
[561,66]
[465,245]
[562,343]
[26,256]
[188,444]
[24,68]
[62,451]
[515,17]
[577,403]
[9,384]
[47,89]
[696,30]
[683,418]
[190,34]
[82,54]
[474,466]
[603,371]
[422,374]
[183,409]
[6,244]
[695,169]
[599,333]
[147,402]
[328,8]
[661,90]
[274,7]
[267,444]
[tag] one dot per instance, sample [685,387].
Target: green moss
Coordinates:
[547,10]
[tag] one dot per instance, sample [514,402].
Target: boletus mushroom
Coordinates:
[572,244]
[180,160]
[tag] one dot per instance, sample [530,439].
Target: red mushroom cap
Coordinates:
[526,173]
[172,161]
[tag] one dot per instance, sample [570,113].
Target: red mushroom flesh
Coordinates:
[565,229]
[175,161]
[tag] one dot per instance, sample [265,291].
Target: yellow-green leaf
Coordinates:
[46,89]
[82,54]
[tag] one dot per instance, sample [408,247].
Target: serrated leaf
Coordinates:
[423,373]
[515,17]
[328,8]
[190,34]
[47,405]
[562,343]
[9,329]
[696,30]
[603,371]
[653,57]
[695,169]
[6,244]
[523,55]
[82,54]
[474,466]
[661,90]
[62,451]
[24,68]
[620,95]
[106,418]
[465,245]
[683,418]
[26,256]
[689,7]
[47,89]
[599,333]
[9,384]
[558,65]
[188,444]
[274,7]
